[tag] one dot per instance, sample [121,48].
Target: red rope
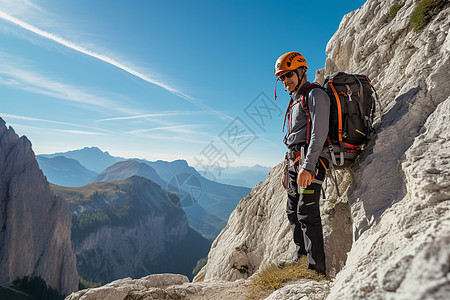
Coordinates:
[276,88]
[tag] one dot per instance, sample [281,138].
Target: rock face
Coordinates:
[400,193]
[35,225]
[394,213]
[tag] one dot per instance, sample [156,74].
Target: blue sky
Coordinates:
[157,79]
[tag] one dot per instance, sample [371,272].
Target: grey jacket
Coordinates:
[319,109]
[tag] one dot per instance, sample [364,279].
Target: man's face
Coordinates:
[289,82]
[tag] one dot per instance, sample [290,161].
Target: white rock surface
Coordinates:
[400,196]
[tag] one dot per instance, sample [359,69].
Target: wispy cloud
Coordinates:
[35,119]
[65,131]
[185,133]
[146,116]
[26,118]
[19,77]
[180,129]
[81,49]
[21,7]
[108,60]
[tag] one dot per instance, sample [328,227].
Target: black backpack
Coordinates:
[351,115]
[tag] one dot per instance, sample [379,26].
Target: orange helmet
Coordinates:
[288,62]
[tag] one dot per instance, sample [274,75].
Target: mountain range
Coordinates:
[206,203]
[202,220]
[94,159]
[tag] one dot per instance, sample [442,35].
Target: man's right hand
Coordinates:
[304,178]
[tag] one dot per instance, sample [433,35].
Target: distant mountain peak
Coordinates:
[128,163]
[92,158]
[125,169]
[65,171]
[179,162]
[91,148]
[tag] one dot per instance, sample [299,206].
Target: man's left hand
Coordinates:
[304,178]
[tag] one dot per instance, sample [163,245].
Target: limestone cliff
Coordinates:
[35,225]
[400,193]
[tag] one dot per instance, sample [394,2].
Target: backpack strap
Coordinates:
[304,101]
[339,129]
[287,115]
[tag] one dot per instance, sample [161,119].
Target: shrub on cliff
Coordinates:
[86,284]
[273,278]
[200,264]
[424,11]
[394,10]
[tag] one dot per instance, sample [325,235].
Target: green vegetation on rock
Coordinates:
[85,223]
[394,10]
[273,278]
[200,264]
[86,284]
[424,11]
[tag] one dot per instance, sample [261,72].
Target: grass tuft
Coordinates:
[423,13]
[394,10]
[274,278]
[86,284]
[200,278]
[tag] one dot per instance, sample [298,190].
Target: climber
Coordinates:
[307,159]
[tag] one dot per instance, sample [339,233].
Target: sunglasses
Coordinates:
[287,75]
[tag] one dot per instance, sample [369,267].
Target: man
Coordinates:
[307,130]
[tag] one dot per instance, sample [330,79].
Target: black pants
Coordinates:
[304,215]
